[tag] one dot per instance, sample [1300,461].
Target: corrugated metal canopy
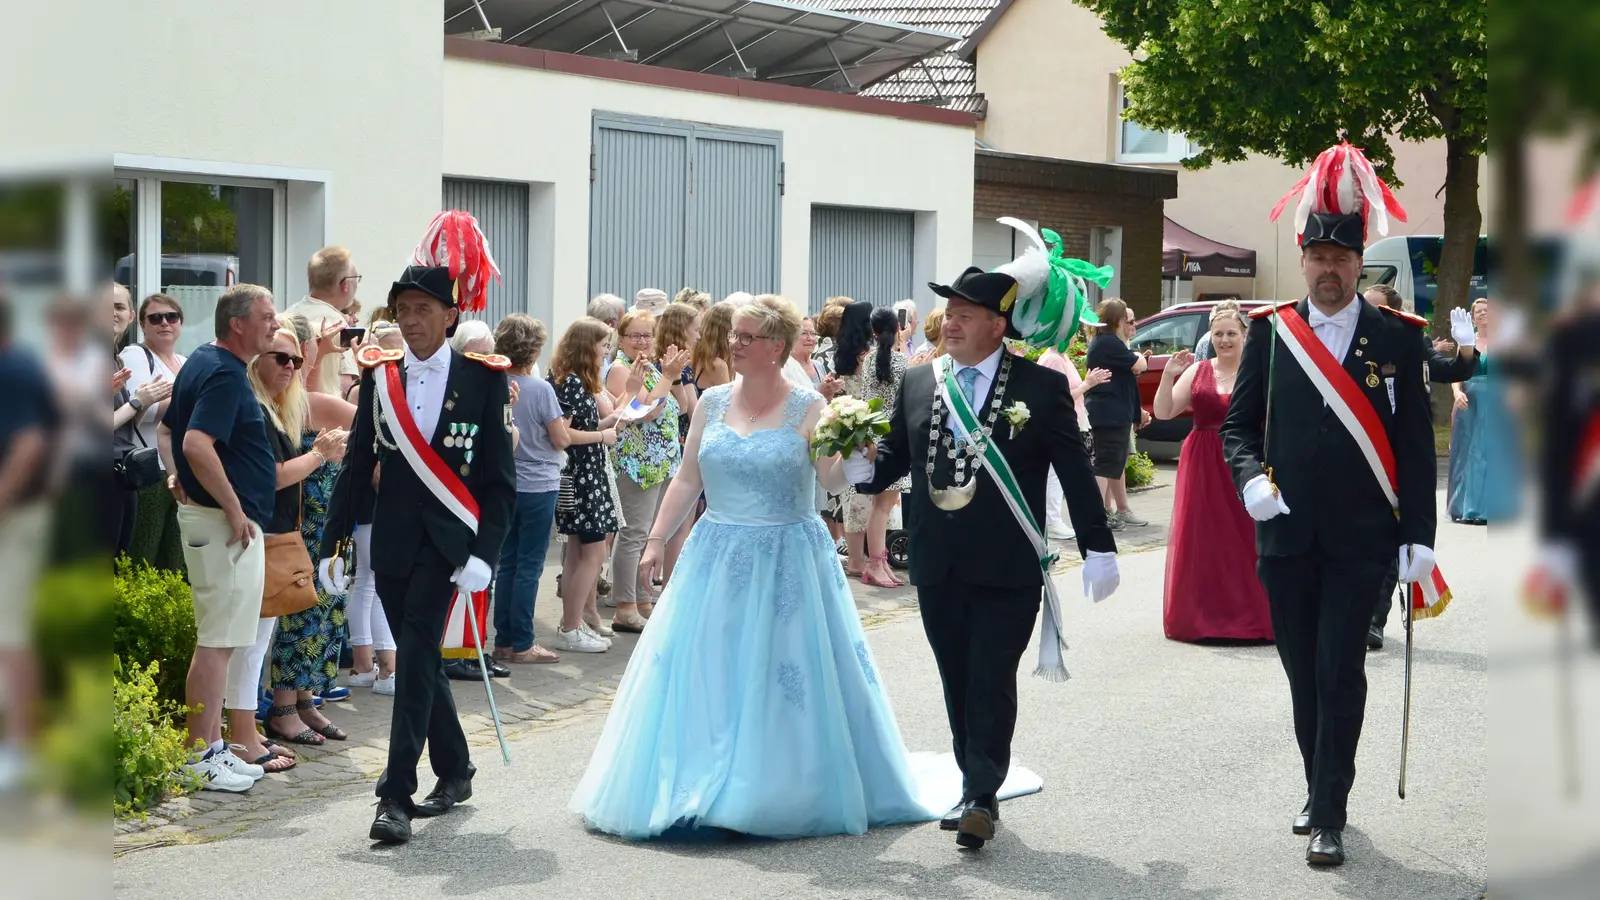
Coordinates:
[767,40]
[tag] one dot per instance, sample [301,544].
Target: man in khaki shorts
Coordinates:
[213,440]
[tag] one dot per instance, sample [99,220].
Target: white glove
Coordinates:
[1559,562]
[1461,330]
[1416,561]
[474,576]
[1100,575]
[1260,502]
[857,468]
[333,577]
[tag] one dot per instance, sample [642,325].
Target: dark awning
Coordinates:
[1185,254]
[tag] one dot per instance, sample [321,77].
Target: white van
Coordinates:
[1409,264]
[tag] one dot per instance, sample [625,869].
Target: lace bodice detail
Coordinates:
[765,478]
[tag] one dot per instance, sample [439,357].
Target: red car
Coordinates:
[1178,327]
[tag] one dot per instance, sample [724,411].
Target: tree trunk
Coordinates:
[1463,222]
[1513,256]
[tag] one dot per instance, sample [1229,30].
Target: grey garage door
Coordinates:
[502,211]
[864,254]
[681,204]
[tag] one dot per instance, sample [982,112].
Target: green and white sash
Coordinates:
[1051,642]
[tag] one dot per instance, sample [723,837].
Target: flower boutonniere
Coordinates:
[1017,414]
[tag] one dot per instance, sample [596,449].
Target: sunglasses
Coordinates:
[286,359]
[166,318]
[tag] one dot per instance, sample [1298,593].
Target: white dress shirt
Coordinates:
[425,381]
[980,386]
[1337,330]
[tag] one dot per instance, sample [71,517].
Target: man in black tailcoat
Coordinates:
[1326,530]
[978,576]
[423,548]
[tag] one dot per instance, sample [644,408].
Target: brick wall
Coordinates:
[1074,214]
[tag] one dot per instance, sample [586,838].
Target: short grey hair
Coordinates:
[235,303]
[910,306]
[469,331]
[608,308]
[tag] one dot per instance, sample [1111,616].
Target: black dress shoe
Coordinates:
[446,794]
[1374,637]
[1326,847]
[1302,822]
[467,670]
[952,819]
[393,824]
[977,823]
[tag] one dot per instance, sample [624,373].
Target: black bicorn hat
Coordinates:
[1341,229]
[435,281]
[994,291]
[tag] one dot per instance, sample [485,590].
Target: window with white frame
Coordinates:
[1136,144]
[194,236]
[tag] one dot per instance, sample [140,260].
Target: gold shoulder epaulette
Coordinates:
[492,360]
[371,356]
[1413,318]
[1264,311]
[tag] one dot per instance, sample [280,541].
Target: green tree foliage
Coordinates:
[1288,80]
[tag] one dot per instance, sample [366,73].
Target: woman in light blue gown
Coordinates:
[752,702]
[1484,457]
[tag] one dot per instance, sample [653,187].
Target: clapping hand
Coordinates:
[153,391]
[1097,377]
[831,386]
[673,362]
[330,443]
[516,390]
[1443,345]
[635,381]
[119,378]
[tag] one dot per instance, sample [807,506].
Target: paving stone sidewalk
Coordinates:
[534,697]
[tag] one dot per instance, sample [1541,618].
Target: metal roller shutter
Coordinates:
[676,204]
[865,254]
[501,208]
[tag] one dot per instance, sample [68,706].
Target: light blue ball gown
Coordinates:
[752,702]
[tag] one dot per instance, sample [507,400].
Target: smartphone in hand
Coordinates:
[349,337]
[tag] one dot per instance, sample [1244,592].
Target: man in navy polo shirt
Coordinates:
[213,440]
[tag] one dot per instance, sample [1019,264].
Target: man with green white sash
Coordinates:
[979,429]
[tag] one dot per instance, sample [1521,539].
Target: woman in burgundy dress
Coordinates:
[1212,591]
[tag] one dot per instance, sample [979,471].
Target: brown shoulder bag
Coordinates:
[291,584]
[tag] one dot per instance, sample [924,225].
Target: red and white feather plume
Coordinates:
[454,239]
[1341,181]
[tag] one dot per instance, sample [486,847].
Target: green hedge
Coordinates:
[1140,470]
[155,623]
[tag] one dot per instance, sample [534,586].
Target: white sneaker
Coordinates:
[584,627]
[1060,532]
[362,679]
[214,776]
[384,686]
[579,642]
[237,766]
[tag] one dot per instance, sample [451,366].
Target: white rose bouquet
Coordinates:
[847,424]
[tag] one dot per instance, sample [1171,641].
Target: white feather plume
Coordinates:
[1031,269]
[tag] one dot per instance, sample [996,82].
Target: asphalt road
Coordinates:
[1170,772]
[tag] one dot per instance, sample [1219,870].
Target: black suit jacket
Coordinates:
[405,512]
[982,544]
[1334,500]
[1447,369]
[1571,405]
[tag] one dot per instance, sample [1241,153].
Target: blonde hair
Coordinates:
[691,297]
[933,328]
[290,411]
[1228,309]
[672,328]
[327,267]
[775,317]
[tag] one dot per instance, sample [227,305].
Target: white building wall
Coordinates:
[541,134]
[349,91]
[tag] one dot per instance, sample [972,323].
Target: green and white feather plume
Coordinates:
[1052,298]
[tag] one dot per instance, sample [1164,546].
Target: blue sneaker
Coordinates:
[263,706]
[336,694]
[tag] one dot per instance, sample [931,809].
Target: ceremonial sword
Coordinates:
[1405,720]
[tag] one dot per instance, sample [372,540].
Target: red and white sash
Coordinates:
[1431,595]
[446,486]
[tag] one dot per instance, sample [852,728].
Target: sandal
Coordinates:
[330,731]
[271,762]
[308,737]
[634,625]
[535,655]
[645,609]
[870,578]
[277,749]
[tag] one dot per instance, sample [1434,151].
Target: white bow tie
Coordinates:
[1319,318]
[431,364]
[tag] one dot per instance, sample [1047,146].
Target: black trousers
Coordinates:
[424,709]
[1380,615]
[1321,607]
[978,637]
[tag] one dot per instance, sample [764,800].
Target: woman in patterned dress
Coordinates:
[647,456]
[870,369]
[585,511]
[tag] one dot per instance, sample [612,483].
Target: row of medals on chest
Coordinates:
[967,454]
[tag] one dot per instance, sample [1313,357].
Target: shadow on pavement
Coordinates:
[472,864]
